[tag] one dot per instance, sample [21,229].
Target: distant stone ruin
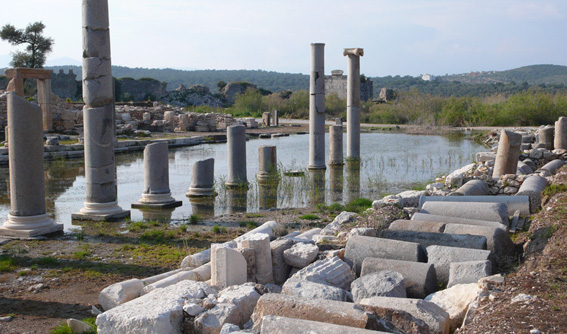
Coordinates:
[336,83]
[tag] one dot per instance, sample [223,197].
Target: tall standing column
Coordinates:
[44,99]
[353,102]
[236,141]
[317,107]
[98,117]
[27,216]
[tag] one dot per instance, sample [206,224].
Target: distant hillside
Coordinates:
[533,75]
[272,81]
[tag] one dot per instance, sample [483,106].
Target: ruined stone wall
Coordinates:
[128,89]
[337,84]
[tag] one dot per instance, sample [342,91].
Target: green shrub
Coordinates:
[309,216]
[359,205]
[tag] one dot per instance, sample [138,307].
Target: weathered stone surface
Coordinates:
[244,297]
[236,142]
[211,321]
[261,244]
[497,240]
[279,266]
[336,145]
[409,198]
[119,293]
[545,134]
[473,187]
[471,210]
[77,326]
[228,267]
[309,234]
[396,321]
[250,257]
[317,107]
[468,272]
[552,166]
[229,328]
[524,168]
[485,156]
[455,179]
[343,218]
[152,313]
[358,248]
[202,179]
[364,231]
[281,325]
[329,311]
[201,274]
[385,283]
[507,154]
[307,289]
[441,257]
[420,278]
[416,225]
[301,255]
[434,316]
[456,220]
[560,140]
[442,239]
[513,203]
[330,271]
[533,187]
[455,301]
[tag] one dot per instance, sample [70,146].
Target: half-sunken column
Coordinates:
[156,179]
[27,216]
[353,102]
[317,107]
[561,133]
[236,141]
[202,179]
[336,145]
[268,167]
[44,99]
[508,153]
[98,117]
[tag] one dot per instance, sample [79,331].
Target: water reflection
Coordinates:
[237,200]
[316,187]
[336,181]
[353,180]
[267,195]
[157,215]
[203,206]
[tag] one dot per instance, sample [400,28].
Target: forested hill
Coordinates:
[533,75]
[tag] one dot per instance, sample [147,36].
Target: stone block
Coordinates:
[228,267]
[455,301]
[416,225]
[307,289]
[301,255]
[497,212]
[420,278]
[497,240]
[250,257]
[244,297]
[552,166]
[309,234]
[330,271]
[533,186]
[385,283]
[468,272]
[442,239]
[358,248]
[279,266]
[456,220]
[211,321]
[473,188]
[120,293]
[513,203]
[260,242]
[201,274]
[282,325]
[442,257]
[343,218]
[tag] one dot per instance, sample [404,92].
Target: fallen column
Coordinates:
[473,188]
[282,325]
[508,153]
[513,203]
[552,166]
[497,240]
[418,216]
[353,102]
[471,210]
[441,257]
[416,225]
[28,215]
[317,107]
[441,239]
[533,186]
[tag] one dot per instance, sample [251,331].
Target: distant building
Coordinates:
[427,77]
[336,83]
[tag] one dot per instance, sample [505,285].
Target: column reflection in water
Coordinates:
[203,206]
[237,200]
[157,215]
[336,183]
[353,181]
[267,195]
[316,187]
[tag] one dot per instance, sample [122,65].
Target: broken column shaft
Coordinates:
[353,102]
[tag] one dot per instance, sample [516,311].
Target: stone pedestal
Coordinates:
[266,118]
[560,141]
[275,118]
[260,242]
[546,137]
[27,216]
[202,179]
[317,107]
[98,117]
[156,193]
[236,141]
[508,153]
[336,145]
[353,102]
[268,164]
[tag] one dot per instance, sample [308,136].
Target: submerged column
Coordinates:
[336,145]
[236,141]
[268,168]
[202,179]
[156,179]
[27,216]
[98,117]
[317,107]
[508,153]
[353,102]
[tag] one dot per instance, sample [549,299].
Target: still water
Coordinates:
[391,162]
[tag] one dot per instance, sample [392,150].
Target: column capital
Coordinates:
[353,52]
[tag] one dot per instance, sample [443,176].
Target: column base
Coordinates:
[317,167]
[29,226]
[200,192]
[101,211]
[236,185]
[156,201]
[336,163]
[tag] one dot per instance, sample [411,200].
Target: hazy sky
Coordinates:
[399,37]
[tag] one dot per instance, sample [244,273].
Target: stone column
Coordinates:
[317,107]
[156,193]
[268,164]
[275,118]
[27,216]
[202,179]
[546,137]
[560,140]
[353,102]
[508,153]
[266,118]
[44,99]
[98,117]
[236,141]
[336,145]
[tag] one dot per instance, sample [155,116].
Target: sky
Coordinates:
[399,37]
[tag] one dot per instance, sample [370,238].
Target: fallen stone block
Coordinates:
[455,179]
[120,293]
[261,244]
[416,225]
[473,188]
[441,257]
[385,283]
[154,312]
[300,255]
[485,156]
[359,248]
[282,325]
[229,328]
[211,321]
[330,271]
[455,301]
[202,273]
[244,297]
[404,199]
[309,234]
[364,231]
[513,203]
[434,316]
[552,166]
[249,255]
[524,168]
[343,218]
[455,220]
[442,239]
[471,210]
[533,186]
[497,240]
[420,278]
[228,267]
[307,289]
[468,272]
[280,268]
